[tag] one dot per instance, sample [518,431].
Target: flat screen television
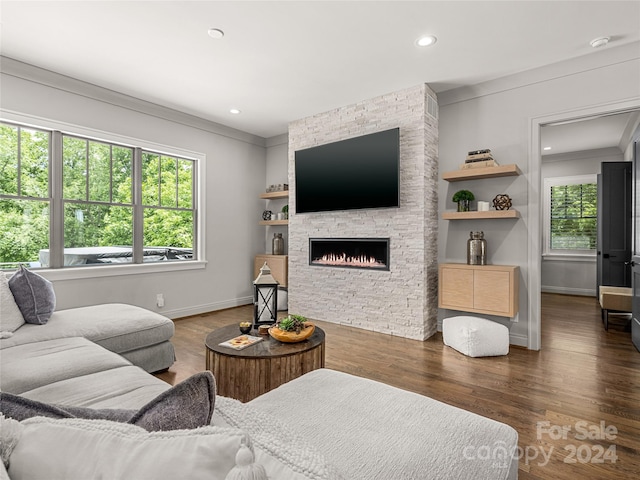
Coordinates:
[357,173]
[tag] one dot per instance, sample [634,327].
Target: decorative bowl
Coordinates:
[245,327]
[292,337]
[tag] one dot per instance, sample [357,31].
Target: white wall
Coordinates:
[573,276]
[500,115]
[235,176]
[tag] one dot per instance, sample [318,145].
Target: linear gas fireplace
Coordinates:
[367,253]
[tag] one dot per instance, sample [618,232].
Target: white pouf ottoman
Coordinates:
[475,337]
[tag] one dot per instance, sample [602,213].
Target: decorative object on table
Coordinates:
[277,244]
[462,198]
[502,202]
[245,327]
[483,206]
[265,298]
[292,329]
[266,215]
[476,249]
[264,329]
[285,210]
[240,342]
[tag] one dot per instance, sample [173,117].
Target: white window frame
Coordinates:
[70,272]
[547,252]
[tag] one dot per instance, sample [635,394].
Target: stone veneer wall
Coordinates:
[403,300]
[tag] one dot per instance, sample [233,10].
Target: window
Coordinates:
[571,215]
[104,212]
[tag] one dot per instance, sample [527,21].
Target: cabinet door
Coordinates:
[455,287]
[492,291]
[278,265]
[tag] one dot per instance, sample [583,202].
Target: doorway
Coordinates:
[574,120]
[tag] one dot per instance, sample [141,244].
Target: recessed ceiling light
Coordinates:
[599,42]
[235,111]
[426,40]
[547,148]
[215,33]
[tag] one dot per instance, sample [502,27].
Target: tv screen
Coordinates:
[361,172]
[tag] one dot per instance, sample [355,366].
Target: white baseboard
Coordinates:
[585,292]
[205,308]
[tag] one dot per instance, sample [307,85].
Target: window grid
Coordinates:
[98,169]
[571,225]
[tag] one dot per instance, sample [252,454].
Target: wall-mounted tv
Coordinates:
[360,172]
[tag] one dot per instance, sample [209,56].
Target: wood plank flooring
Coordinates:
[583,378]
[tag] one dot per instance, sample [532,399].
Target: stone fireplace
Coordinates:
[366,253]
[400,298]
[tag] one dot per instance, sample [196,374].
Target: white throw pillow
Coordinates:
[11,318]
[81,449]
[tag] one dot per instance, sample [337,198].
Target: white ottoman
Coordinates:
[476,337]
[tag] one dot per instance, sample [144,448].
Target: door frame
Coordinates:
[534,207]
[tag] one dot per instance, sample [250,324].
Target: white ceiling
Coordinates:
[281,61]
[594,133]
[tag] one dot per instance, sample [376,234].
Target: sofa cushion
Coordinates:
[128,387]
[34,296]
[117,327]
[79,449]
[11,318]
[186,405]
[32,365]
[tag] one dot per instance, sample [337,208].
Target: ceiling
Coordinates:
[593,133]
[283,60]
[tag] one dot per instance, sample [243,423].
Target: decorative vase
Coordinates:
[277,244]
[463,206]
[476,249]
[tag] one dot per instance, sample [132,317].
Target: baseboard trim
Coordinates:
[585,292]
[206,308]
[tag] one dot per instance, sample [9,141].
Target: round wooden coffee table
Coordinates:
[245,374]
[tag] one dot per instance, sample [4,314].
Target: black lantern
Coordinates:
[265,298]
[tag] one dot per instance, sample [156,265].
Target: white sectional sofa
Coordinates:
[325,425]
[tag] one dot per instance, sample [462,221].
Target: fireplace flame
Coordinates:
[342,259]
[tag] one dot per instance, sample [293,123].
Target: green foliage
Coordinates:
[463,195]
[285,209]
[573,217]
[97,193]
[292,323]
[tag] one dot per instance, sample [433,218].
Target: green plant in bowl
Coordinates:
[292,323]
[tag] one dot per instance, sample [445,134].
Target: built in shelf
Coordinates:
[483,172]
[480,215]
[273,195]
[274,222]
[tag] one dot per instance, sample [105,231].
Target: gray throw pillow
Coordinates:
[34,296]
[185,406]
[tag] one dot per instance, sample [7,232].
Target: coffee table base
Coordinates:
[245,378]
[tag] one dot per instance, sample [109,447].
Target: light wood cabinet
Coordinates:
[488,289]
[279,265]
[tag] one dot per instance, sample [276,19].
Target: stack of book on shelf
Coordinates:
[479,159]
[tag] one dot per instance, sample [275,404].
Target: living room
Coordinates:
[503,113]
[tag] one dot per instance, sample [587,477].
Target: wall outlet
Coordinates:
[160,300]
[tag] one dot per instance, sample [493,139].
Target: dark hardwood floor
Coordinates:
[584,379]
